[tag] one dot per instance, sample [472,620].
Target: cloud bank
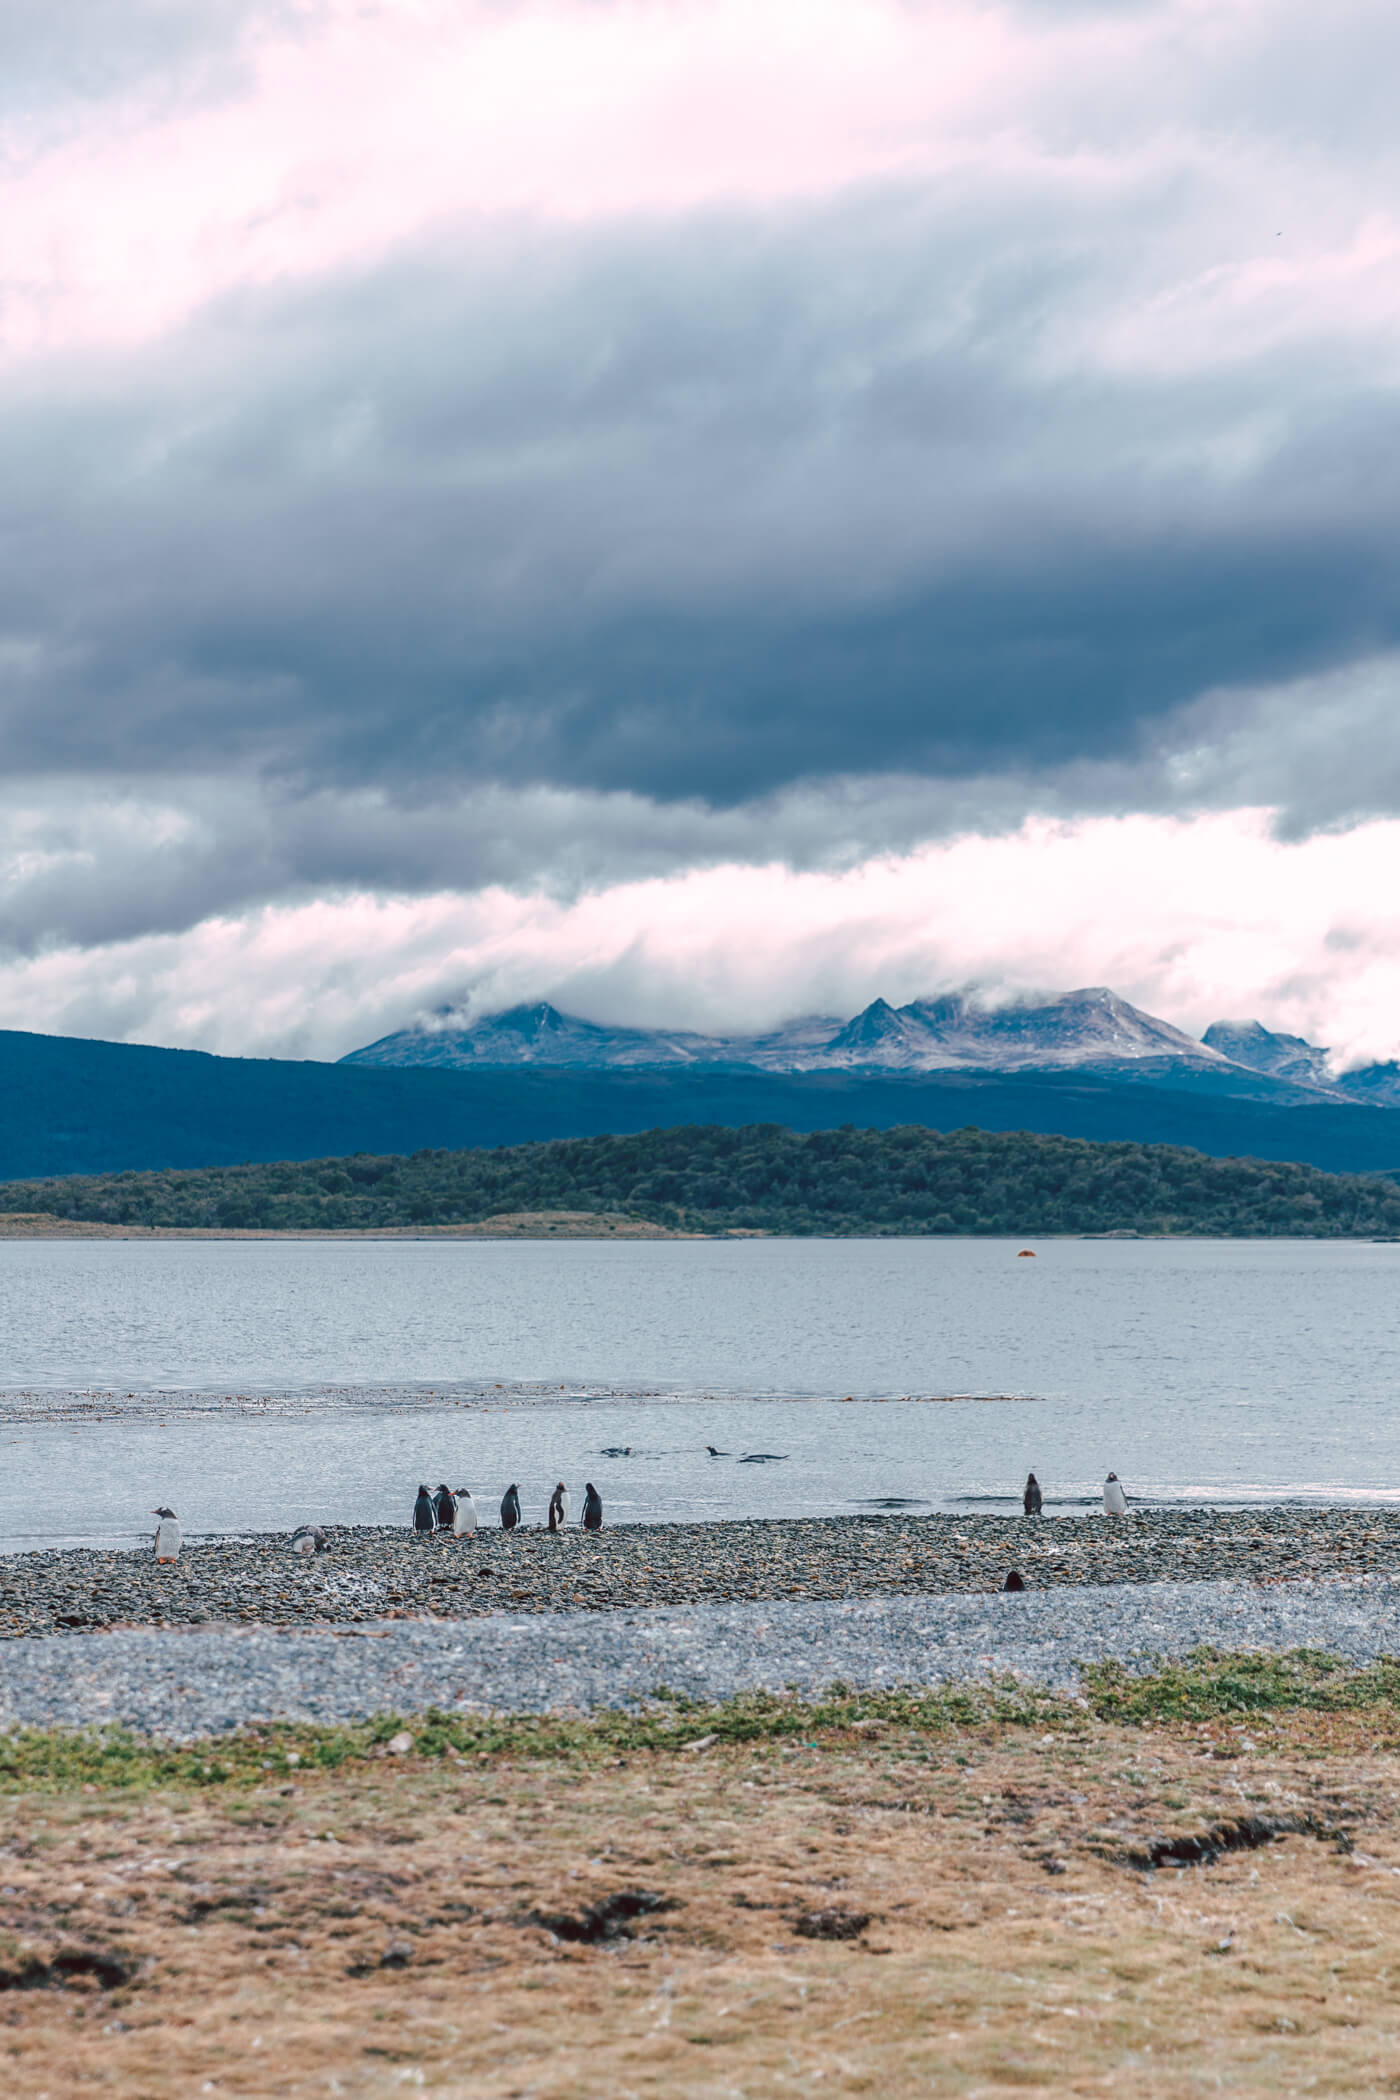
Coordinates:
[1178,914]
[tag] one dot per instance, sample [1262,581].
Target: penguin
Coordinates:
[1115,1502]
[169,1537]
[716,1454]
[424,1514]
[1015,1580]
[308,1539]
[510,1508]
[559,1507]
[592,1508]
[1031,1499]
[464,1513]
[444,1506]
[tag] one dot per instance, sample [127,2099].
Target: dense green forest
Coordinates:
[762,1177]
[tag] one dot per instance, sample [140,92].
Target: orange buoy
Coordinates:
[1026,1254]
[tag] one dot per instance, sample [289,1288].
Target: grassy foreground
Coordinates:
[932,1894]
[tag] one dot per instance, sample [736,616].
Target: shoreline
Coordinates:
[503,1225]
[373,1574]
[602,1225]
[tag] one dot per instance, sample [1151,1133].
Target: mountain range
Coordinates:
[74,1106]
[1087,1065]
[1087,1031]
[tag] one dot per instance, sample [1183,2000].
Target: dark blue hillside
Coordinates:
[68,1106]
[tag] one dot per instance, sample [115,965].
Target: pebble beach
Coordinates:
[241,1629]
[373,1574]
[184,1686]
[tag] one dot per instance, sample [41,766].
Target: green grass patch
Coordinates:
[1208,1685]
[64,1760]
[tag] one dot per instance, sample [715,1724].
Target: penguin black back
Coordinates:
[510,1508]
[424,1514]
[444,1506]
[1032,1497]
[592,1508]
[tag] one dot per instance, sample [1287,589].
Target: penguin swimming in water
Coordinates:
[308,1539]
[169,1537]
[592,1508]
[510,1508]
[1031,1499]
[464,1513]
[559,1507]
[1015,1580]
[444,1506]
[716,1454]
[424,1514]
[1115,1502]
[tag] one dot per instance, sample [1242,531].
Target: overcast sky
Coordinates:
[698,509]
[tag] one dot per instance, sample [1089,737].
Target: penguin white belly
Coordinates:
[564,1507]
[168,1539]
[464,1523]
[1115,1502]
[304,1542]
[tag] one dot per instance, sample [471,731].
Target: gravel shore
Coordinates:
[183,1686]
[373,1575]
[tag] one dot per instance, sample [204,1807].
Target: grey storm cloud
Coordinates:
[565,554]
[695,512]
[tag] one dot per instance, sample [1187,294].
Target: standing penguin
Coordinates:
[592,1508]
[559,1507]
[169,1537]
[424,1514]
[1115,1502]
[464,1513]
[444,1506]
[1031,1498]
[510,1508]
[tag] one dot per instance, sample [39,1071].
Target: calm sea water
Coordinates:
[1200,1371]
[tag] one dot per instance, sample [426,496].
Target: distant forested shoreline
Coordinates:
[759,1178]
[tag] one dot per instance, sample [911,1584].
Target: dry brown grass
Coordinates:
[1008,1946]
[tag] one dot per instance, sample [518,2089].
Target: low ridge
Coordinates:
[764,1179]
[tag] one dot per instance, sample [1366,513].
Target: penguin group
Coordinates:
[1115,1504]
[454,1509]
[448,1509]
[1115,1501]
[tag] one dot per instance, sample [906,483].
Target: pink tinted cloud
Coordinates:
[1163,139]
[376,122]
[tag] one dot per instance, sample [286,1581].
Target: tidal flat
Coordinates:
[1186,1883]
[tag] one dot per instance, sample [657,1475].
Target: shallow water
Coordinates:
[1200,1371]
